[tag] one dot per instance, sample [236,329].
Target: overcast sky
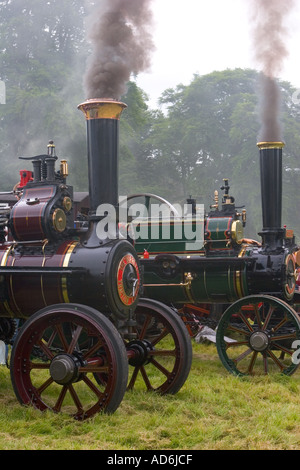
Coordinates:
[200,36]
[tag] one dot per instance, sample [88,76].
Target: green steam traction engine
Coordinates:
[254,282]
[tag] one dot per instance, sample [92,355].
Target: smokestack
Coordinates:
[102,118]
[269,34]
[271,193]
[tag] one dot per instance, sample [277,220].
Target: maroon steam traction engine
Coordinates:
[57,279]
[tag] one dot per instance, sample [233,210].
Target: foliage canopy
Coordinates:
[202,132]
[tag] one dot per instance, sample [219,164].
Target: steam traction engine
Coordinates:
[78,294]
[254,282]
[57,279]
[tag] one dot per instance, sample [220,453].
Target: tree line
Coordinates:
[201,132]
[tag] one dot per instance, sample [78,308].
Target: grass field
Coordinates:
[213,410]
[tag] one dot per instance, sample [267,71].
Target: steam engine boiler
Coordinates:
[254,282]
[78,297]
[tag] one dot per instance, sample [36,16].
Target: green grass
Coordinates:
[213,410]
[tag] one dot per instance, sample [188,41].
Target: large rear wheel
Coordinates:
[259,334]
[56,356]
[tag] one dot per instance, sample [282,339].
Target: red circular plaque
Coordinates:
[128,262]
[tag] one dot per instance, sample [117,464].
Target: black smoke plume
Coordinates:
[269,40]
[120,34]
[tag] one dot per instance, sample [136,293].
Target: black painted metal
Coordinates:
[271,195]
[103,143]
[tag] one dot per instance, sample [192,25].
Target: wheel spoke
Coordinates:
[145,327]
[252,362]
[242,316]
[45,385]
[235,329]
[160,368]
[276,360]
[93,350]
[280,324]
[51,339]
[265,363]
[61,335]
[39,365]
[93,387]
[45,349]
[60,400]
[268,318]
[163,334]
[76,399]
[257,316]
[243,355]
[145,378]
[234,344]
[283,348]
[74,339]
[286,336]
[133,378]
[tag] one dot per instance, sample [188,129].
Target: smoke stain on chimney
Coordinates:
[120,35]
[269,41]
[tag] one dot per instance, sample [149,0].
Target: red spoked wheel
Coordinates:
[55,358]
[259,334]
[161,354]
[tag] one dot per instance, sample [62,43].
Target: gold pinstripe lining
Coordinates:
[66,261]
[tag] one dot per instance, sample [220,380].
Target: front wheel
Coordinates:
[161,354]
[56,356]
[258,335]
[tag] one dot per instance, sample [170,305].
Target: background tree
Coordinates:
[203,132]
[210,131]
[41,45]
[136,124]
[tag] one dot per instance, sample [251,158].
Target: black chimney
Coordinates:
[271,194]
[102,117]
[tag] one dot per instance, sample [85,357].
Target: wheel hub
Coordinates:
[64,369]
[259,341]
[139,352]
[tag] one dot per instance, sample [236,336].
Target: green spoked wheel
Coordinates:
[56,356]
[259,335]
[160,356]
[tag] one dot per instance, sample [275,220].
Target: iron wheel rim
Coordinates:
[255,336]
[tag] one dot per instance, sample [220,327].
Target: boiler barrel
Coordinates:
[106,277]
[224,280]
